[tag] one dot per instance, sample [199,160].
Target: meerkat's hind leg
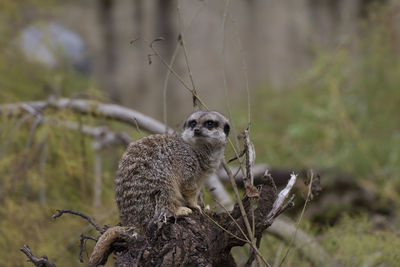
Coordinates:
[183,211]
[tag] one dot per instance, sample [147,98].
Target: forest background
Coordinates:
[323,79]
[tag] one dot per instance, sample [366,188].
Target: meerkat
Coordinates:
[165,172]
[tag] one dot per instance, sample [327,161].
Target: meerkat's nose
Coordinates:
[196,131]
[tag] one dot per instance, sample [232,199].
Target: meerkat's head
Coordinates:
[206,128]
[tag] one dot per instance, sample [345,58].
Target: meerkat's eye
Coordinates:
[227,128]
[210,124]
[192,123]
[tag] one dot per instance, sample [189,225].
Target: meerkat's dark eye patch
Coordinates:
[192,123]
[210,124]
[227,129]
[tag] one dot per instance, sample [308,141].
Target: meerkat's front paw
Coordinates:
[183,211]
[197,207]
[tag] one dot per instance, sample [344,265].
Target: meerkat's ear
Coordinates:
[227,128]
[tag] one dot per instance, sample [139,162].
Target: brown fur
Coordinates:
[164,173]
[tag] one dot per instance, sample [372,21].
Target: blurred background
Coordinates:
[319,79]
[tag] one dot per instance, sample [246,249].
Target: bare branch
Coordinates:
[103,135]
[90,220]
[90,107]
[82,244]
[40,262]
[242,209]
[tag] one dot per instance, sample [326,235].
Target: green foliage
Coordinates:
[341,114]
[355,241]
[45,167]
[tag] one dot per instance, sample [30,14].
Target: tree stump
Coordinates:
[195,240]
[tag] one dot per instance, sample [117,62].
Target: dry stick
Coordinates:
[171,63]
[173,71]
[241,230]
[284,229]
[237,155]
[244,68]
[248,181]
[242,210]
[225,230]
[233,219]
[241,239]
[278,207]
[253,254]
[40,262]
[249,168]
[61,212]
[300,218]
[82,243]
[72,241]
[278,255]
[194,92]
[232,180]
[227,3]
[93,108]
[255,248]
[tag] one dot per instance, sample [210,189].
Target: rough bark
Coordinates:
[196,240]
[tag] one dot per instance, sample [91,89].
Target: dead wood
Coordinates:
[196,240]
[40,262]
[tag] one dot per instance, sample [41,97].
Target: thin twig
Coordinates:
[165,86]
[225,230]
[241,207]
[182,27]
[174,72]
[253,253]
[233,219]
[244,68]
[82,245]
[278,254]
[300,218]
[90,220]
[171,63]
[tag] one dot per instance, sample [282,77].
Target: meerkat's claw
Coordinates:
[183,211]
